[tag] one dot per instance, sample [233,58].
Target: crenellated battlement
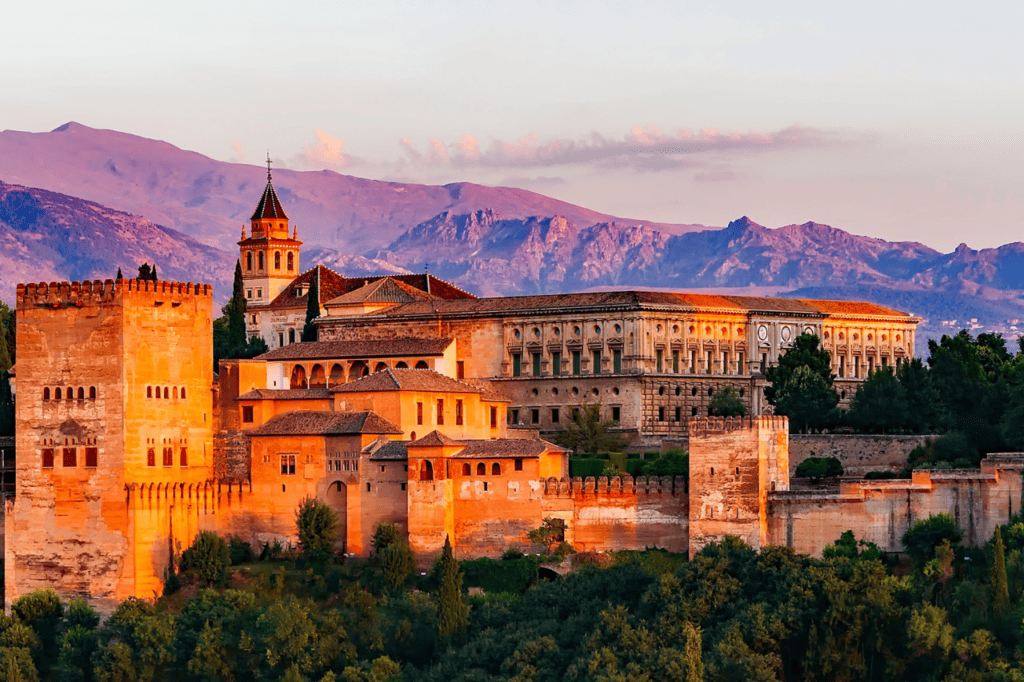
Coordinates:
[98,292]
[699,426]
[614,486]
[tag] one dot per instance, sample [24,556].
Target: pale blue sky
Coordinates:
[896,120]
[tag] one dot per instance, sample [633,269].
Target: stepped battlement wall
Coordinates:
[615,486]
[700,426]
[98,292]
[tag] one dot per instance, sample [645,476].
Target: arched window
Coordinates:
[291,336]
[149,391]
[337,374]
[465,469]
[70,393]
[248,260]
[260,260]
[182,392]
[426,471]
[175,394]
[402,365]
[380,367]
[167,393]
[81,393]
[92,393]
[277,260]
[291,262]
[481,469]
[495,469]
[317,378]
[46,393]
[298,377]
[422,364]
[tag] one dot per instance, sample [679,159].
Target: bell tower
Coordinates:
[270,257]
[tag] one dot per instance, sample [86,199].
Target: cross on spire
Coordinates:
[268,165]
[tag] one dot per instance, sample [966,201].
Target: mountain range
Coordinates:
[489,240]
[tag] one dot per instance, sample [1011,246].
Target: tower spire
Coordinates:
[268,165]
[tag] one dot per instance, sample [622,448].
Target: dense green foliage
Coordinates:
[147,272]
[207,559]
[452,611]
[385,534]
[318,529]
[672,463]
[817,468]
[727,403]
[801,386]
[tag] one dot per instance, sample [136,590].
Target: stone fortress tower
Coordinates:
[115,422]
[270,258]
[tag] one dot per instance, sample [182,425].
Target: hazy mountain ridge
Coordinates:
[46,236]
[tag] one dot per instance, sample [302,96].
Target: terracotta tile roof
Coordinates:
[632,300]
[337,350]
[323,423]
[502,447]
[392,449]
[434,439]
[406,380]
[384,290]
[332,285]
[269,206]
[286,394]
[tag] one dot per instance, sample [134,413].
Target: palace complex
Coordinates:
[425,406]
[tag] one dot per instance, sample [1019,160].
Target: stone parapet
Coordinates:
[97,292]
[615,486]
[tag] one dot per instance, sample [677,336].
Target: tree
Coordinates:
[452,612]
[727,403]
[318,529]
[147,272]
[817,468]
[848,547]
[924,404]
[397,563]
[585,432]
[672,463]
[6,406]
[801,385]
[235,310]
[208,558]
[550,534]
[880,405]
[925,535]
[384,535]
[229,339]
[999,587]
[309,331]
[119,275]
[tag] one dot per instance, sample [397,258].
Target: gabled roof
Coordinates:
[434,439]
[406,380]
[323,423]
[338,350]
[384,290]
[269,206]
[286,394]
[505,447]
[332,285]
[389,449]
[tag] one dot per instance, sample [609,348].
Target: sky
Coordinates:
[893,120]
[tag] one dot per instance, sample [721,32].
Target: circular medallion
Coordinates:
[762,333]
[787,334]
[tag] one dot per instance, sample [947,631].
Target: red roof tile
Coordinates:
[323,423]
[337,350]
[286,394]
[269,206]
[434,439]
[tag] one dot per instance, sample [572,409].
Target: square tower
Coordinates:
[114,417]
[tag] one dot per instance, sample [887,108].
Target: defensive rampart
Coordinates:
[858,454]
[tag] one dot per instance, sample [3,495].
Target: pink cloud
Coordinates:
[327,151]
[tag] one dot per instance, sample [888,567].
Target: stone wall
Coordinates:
[859,454]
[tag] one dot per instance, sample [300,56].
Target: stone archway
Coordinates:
[298,379]
[337,499]
[317,377]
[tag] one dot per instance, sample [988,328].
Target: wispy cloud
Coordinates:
[327,152]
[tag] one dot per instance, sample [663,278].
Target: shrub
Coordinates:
[397,563]
[672,463]
[925,535]
[240,550]
[318,529]
[550,534]
[954,446]
[208,558]
[817,468]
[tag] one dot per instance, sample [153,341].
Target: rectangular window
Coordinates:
[519,465]
[419,414]
[597,362]
[535,416]
[679,414]
[555,415]
[842,366]
[616,413]
[280,339]
[151,457]
[247,417]
[659,359]
[494,417]
[725,362]
[710,363]
[661,414]
[576,362]
[739,363]
[693,362]
[48,458]
[248,293]
[514,416]
[440,411]
[871,365]
[70,457]
[675,361]
[536,364]
[517,364]
[92,457]
[460,369]
[259,293]
[183,457]
[367,487]
[617,361]
[556,364]
[287,465]
[458,412]
[403,486]
[168,457]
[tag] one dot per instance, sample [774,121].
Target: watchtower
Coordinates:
[269,257]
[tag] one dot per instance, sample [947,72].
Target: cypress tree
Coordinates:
[452,613]
[6,405]
[999,587]
[152,273]
[119,275]
[309,332]
[5,353]
[235,310]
